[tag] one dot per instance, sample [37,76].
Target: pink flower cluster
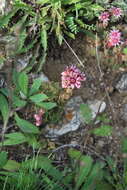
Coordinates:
[72,77]
[38,117]
[104,17]
[114,38]
[114,12]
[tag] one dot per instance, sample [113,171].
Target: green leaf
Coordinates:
[17,102]
[21,41]
[11,165]
[47,105]
[4,108]
[23,83]
[74,154]
[41,162]
[14,139]
[4,20]
[124,145]
[85,166]
[35,86]
[103,185]
[26,126]
[3,158]
[84,170]
[67,2]
[42,2]
[86,113]
[32,141]
[104,130]
[125,50]
[94,177]
[38,98]
[44,39]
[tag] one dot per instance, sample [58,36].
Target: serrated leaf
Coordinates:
[4,108]
[26,126]
[86,113]
[44,39]
[11,165]
[3,158]
[47,105]
[23,83]
[104,130]
[38,98]
[35,86]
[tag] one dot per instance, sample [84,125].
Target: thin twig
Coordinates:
[80,62]
[65,146]
[101,75]
[80,146]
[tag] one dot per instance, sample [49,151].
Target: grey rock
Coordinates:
[100,143]
[2,6]
[124,112]
[10,44]
[22,62]
[73,105]
[96,106]
[40,76]
[2,81]
[121,85]
[7,39]
[71,126]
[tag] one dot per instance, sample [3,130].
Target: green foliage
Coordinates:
[23,95]
[103,130]
[125,51]
[34,22]
[4,108]
[23,83]
[26,126]
[3,158]
[13,139]
[82,173]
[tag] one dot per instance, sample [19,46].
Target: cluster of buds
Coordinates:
[113,12]
[38,117]
[72,77]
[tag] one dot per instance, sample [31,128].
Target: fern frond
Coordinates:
[4,20]
[71,24]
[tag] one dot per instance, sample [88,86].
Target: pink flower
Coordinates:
[38,117]
[114,38]
[116,12]
[104,17]
[72,77]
